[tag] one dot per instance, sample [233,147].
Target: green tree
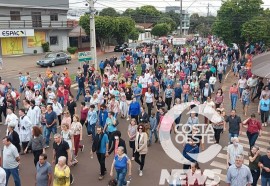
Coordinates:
[111,12]
[134,34]
[126,25]
[144,14]
[175,16]
[169,21]
[232,15]
[161,29]
[105,28]
[257,29]
[194,22]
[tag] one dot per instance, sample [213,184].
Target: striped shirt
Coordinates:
[239,176]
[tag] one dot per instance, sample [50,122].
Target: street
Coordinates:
[86,172]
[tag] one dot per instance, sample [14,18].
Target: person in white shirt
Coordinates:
[25,129]
[212,81]
[34,113]
[252,83]
[234,150]
[2,177]
[12,118]
[50,96]
[58,109]
[242,83]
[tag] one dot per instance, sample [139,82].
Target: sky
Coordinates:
[192,6]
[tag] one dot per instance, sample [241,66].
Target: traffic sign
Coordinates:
[84,56]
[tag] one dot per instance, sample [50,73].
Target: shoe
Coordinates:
[127,119]
[71,179]
[156,140]
[100,177]
[47,146]
[141,173]
[82,148]
[128,182]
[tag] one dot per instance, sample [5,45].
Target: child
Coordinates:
[153,127]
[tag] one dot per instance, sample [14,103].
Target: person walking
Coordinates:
[153,127]
[101,147]
[43,171]
[254,129]
[190,147]
[235,126]
[238,168]
[61,173]
[233,95]
[141,147]
[117,142]
[132,132]
[254,158]
[36,143]
[51,119]
[25,129]
[219,126]
[11,160]
[263,109]
[91,121]
[134,109]
[264,164]
[77,131]
[233,150]
[122,166]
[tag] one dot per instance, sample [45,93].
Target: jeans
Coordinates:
[15,173]
[61,101]
[255,175]
[36,154]
[217,134]
[77,143]
[265,181]
[168,102]
[91,129]
[80,90]
[252,138]
[264,116]
[220,77]
[151,134]
[43,131]
[241,91]
[3,110]
[232,135]
[121,177]
[50,130]
[132,146]
[149,108]
[234,98]
[140,162]
[186,97]
[101,160]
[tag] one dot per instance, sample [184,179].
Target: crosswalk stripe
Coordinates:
[74,85]
[245,153]
[258,142]
[224,156]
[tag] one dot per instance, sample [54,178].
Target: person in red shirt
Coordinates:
[254,129]
[60,94]
[30,83]
[67,83]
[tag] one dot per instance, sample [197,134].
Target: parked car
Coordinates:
[120,48]
[52,59]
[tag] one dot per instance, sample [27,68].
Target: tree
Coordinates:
[169,21]
[134,34]
[256,30]
[194,22]
[161,29]
[111,12]
[105,28]
[126,25]
[232,15]
[143,14]
[175,16]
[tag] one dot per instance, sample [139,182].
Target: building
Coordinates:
[146,28]
[185,18]
[26,24]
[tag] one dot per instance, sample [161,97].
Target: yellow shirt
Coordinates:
[61,177]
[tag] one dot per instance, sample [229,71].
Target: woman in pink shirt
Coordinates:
[233,94]
[186,90]
[67,118]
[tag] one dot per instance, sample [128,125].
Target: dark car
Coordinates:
[120,48]
[52,59]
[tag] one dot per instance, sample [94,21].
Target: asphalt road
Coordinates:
[87,170]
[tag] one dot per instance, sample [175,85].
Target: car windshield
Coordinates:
[50,56]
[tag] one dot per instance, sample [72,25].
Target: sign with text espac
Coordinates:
[16,33]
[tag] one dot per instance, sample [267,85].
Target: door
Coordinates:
[12,45]
[36,19]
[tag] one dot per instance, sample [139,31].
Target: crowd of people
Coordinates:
[139,86]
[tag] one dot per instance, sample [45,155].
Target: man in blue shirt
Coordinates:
[81,80]
[101,67]
[137,92]
[101,147]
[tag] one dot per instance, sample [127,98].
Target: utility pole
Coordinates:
[93,45]
[208,10]
[181,17]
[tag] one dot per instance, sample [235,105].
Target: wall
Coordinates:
[62,39]
[48,3]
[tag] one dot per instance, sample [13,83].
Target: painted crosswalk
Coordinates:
[220,161]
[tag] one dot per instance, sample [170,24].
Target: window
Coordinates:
[36,19]
[54,17]
[15,16]
[53,40]
[86,39]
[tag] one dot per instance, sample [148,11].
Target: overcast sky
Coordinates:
[193,6]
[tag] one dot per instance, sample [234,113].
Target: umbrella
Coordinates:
[261,65]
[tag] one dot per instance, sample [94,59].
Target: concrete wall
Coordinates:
[47,3]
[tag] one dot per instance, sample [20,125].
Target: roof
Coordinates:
[146,25]
[34,7]
[77,32]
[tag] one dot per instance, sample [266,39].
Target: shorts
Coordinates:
[246,102]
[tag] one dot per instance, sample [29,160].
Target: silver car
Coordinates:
[52,59]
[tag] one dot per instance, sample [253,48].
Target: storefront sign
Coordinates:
[16,33]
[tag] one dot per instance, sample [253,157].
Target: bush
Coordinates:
[45,47]
[35,51]
[72,50]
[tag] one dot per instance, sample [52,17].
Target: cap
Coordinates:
[11,124]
